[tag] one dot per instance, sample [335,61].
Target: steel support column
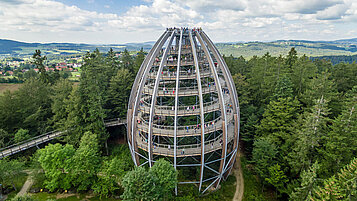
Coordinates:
[221,102]
[176,100]
[138,95]
[154,95]
[194,52]
[232,93]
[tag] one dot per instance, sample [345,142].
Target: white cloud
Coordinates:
[333,13]
[227,20]
[49,16]
[161,13]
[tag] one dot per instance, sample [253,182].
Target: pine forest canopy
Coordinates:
[298,126]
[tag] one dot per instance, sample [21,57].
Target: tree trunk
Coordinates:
[13,185]
[106,147]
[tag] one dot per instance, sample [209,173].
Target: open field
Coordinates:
[8,86]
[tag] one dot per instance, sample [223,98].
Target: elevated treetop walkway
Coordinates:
[35,141]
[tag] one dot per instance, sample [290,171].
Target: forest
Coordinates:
[298,131]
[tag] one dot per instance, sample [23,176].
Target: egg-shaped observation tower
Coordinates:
[184,107]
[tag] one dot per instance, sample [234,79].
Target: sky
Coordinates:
[120,21]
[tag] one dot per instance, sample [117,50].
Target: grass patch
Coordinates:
[9,86]
[19,182]
[225,193]
[43,196]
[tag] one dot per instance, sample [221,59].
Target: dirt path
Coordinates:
[237,171]
[27,185]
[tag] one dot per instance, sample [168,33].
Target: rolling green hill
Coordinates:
[282,47]
[10,48]
[246,49]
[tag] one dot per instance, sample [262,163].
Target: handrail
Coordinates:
[185,150]
[28,140]
[183,74]
[34,141]
[189,127]
[184,108]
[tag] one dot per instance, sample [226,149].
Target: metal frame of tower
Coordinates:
[157,114]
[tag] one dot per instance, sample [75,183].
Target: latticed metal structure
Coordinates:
[184,107]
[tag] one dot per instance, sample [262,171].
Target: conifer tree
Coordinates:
[140,56]
[291,57]
[309,181]
[342,186]
[308,144]
[341,141]
[38,62]
[127,61]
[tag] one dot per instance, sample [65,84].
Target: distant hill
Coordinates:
[282,47]
[246,49]
[21,49]
[338,59]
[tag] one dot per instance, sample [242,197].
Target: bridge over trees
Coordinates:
[35,141]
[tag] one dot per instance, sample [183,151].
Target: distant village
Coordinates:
[15,70]
[10,68]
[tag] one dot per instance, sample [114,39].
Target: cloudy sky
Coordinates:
[122,21]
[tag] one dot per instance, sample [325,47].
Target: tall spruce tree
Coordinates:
[341,141]
[140,56]
[309,181]
[38,62]
[309,136]
[342,186]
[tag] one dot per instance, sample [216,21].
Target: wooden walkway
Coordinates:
[33,142]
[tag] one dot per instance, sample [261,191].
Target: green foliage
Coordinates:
[139,60]
[61,93]
[252,186]
[321,85]
[155,184]
[309,181]
[341,142]
[86,103]
[342,186]
[21,135]
[38,62]
[27,108]
[249,120]
[292,57]
[23,198]
[119,92]
[56,161]
[140,184]
[167,176]
[301,73]
[283,88]
[10,169]
[344,76]
[127,61]
[308,144]
[109,177]
[5,138]
[277,178]
[263,156]
[85,163]
[277,120]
